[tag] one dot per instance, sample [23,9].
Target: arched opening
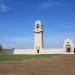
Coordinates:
[38,49]
[68,48]
[37,26]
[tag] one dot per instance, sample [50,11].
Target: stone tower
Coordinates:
[38,36]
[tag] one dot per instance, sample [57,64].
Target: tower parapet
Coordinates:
[38,26]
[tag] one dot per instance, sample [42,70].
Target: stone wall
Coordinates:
[33,51]
[52,51]
[42,51]
[8,51]
[24,51]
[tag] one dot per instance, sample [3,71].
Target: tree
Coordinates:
[1,48]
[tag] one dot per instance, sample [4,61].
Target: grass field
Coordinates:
[21,57]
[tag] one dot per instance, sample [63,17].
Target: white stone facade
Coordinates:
[38,35]
[68,46]
[24,51]
[38,45]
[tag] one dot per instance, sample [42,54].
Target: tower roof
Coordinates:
[38,22]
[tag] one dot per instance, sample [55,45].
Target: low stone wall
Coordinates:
[33,51]
[52,51]
[42,51]
[8,51]
[24,51]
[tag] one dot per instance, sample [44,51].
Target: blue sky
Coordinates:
[17,19]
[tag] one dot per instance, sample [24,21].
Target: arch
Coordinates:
[38,49]
[37,26]
[68,48]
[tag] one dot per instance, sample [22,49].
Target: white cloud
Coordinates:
[20,39]
[48,4]
[28,42]
[4,7]
[18,42]
[53,42]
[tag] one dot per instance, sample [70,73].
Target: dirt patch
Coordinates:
[58,65]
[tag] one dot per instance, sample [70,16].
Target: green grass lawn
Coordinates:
[20,57]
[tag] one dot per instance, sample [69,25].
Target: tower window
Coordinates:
[37,26]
